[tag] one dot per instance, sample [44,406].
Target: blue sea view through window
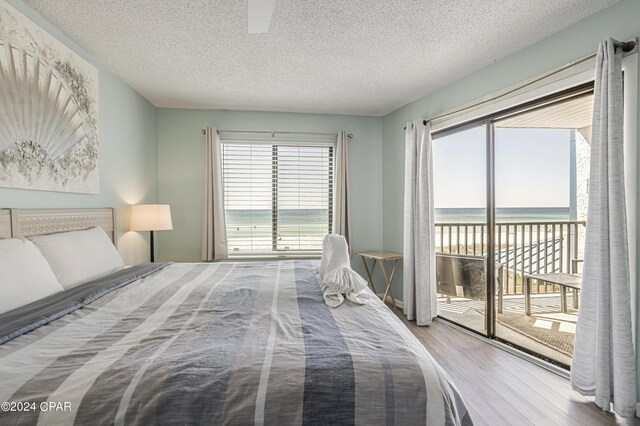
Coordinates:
[297,229]
[513,214]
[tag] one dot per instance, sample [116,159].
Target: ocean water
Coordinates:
[510,215]
[316,219]
[250,230]
[286,217]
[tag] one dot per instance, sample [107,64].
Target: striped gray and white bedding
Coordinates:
[223,343]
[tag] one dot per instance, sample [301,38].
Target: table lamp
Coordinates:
[151,217]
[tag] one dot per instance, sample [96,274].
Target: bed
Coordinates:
[213,343]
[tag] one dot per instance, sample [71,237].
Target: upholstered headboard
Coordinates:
[29,222]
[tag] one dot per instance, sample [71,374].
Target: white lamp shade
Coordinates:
[151,217]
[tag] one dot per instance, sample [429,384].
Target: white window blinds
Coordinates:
[278,197]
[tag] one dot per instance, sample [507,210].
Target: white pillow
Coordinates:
[26,276]
[78,257]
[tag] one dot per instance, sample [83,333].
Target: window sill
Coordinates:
[274,257]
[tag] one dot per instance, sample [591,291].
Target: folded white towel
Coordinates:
[338,279]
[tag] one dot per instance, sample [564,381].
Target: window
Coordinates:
[278,197]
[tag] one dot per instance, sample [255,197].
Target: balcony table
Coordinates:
[561,279]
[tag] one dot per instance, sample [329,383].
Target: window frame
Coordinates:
[276,253]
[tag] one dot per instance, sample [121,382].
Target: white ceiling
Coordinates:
[363,57]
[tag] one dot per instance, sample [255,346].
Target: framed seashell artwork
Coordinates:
[48,110]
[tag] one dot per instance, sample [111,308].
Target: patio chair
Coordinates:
[466,276]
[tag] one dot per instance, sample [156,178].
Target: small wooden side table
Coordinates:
[382,257]
[561,279]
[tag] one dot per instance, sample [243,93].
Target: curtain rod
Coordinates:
[626,46]
[274,132]
[424,123]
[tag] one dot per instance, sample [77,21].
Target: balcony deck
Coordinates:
[548,331]
[522,248]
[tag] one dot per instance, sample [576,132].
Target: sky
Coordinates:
[532,168]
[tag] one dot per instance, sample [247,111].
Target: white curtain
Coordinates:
[419,270]
[214,233]
[604,363]
[341,207]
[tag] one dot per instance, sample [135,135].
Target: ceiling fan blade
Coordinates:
[260,12]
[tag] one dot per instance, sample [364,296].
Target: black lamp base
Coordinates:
[152,251]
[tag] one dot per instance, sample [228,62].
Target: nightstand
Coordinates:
[382,257]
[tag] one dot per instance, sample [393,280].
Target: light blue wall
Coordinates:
[621,21]
[128,155]
[181,164]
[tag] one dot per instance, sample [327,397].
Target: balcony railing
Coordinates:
[521,248]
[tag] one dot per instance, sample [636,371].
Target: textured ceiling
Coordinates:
[364,57]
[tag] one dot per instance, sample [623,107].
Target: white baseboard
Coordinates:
[399,303]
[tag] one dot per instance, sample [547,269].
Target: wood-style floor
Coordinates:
[502,389]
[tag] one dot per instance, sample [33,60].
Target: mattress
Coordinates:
[219,343]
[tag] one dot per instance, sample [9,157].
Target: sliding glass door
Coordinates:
[511,196]
[542,178]
[460,180]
